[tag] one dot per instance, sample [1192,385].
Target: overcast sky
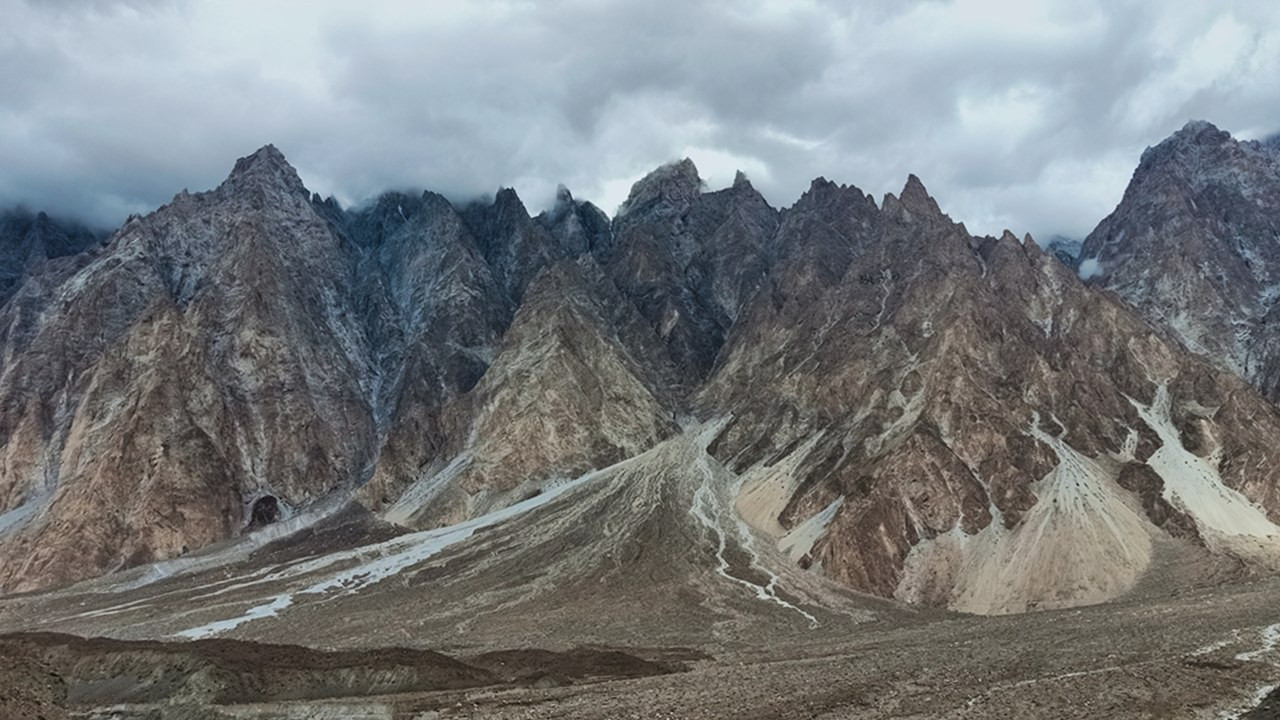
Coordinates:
[1019,114]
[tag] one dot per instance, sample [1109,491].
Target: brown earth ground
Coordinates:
[652,642]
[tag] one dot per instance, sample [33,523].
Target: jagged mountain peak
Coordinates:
[1193,137]
[514,245]
[563,196]
[1196,147]
[396,202]
[823,193]
[434,199]
[565,205]
[914,198]
[914,190]
[266,156]
[821,184]
[1200,215]
[265,167]
[577,225]
[676,183]
[1199,131]
[507,203]
[1066,249]
[29,239]
[505,206]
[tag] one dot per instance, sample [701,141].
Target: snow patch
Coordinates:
[266,610]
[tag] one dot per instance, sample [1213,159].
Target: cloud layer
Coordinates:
[1027,115]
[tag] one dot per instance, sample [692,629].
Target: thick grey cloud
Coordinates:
[1028,115]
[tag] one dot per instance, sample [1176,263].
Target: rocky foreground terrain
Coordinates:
[706,458]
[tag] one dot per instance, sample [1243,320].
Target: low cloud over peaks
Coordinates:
[1029,115]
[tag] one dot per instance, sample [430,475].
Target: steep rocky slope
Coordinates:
[577,225]
[516,247]
[1195,246]
[889,402]
[953,420]
[435,311]
[579,382]
[689,259]
[205,358]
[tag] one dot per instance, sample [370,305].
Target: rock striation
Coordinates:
[842,390]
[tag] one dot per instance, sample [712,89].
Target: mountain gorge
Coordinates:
[842,396]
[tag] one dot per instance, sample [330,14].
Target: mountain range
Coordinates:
[954,409]
[822,408]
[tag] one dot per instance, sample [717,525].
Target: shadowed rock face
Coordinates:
[28,241]
[1195,246]
[579,227]
[688,260]
[901,406]
[1066,250]
[435,309]
[266,510]
[516,247]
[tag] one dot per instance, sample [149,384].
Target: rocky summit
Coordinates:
[1195,247]
[700,427]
